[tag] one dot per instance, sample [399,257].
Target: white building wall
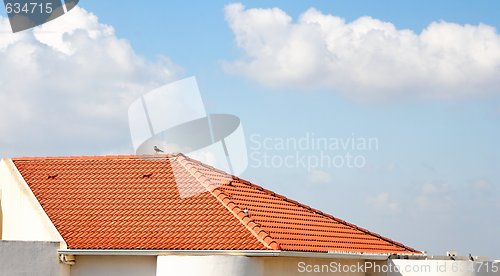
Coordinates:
[208,266]
[310,266]
[114,266]
[443,268]
[22,216]
[249,266]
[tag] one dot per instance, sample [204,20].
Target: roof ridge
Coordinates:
[233,208]
[98,157]
[314,210]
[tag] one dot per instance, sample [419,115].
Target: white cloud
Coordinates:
[366,59]
[434,196]
[480,184]
[383,201]
[65,87]
[318,176]
[392,167]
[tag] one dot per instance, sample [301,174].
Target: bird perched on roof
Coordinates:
[157,150]
[470,257]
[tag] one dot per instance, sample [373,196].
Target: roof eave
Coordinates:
[247,253]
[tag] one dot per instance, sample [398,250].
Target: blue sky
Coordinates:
[433,183]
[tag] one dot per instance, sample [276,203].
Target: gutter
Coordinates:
[247,253]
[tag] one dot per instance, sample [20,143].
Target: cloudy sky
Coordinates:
[420,78]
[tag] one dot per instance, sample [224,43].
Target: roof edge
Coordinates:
[248,253]
[98,157]
[249,223]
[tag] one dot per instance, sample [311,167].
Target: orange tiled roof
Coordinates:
[133,202]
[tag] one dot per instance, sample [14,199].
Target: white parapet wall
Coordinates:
[114,266]
[31,259]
